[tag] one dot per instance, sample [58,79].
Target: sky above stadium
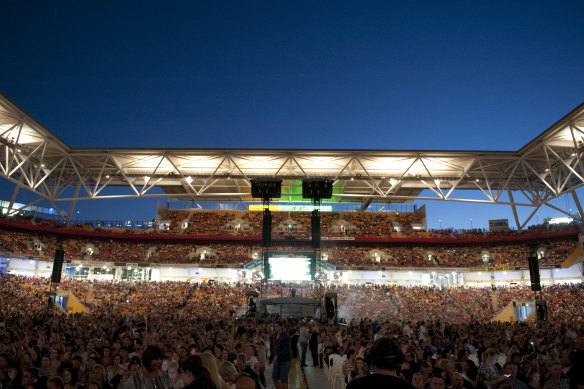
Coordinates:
[308,75]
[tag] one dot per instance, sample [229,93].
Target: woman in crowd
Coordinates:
[70,379]
[533,379]
[114,368]
[150,376]
[211,365]
[360,370]
[194,375]
[106,357]
[173,374]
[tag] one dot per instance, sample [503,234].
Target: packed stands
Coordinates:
[234,250]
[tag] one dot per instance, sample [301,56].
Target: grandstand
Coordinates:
[365,237]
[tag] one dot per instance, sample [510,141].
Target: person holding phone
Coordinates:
[510,373]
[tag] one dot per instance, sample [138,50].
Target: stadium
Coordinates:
[330,236]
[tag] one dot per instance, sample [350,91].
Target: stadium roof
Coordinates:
[35,159]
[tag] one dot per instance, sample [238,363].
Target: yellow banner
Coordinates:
[487,269]
[261,207]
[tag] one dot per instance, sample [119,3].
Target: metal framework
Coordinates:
[546,168]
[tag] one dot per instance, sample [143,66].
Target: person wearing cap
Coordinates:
[385,356]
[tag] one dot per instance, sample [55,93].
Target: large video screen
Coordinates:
[289,268]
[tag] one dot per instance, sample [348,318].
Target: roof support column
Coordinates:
[514,208]
[578,205]
[13,200]
[72,207]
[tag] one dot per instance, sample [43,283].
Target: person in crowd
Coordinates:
[303,334]
[348,364]
[150,376]
[70,378]
[360,369]
[210,364]
[488,369]
[557,378]
[281,356]
[437,381]
[194,375]
[245,382]
[173,373]
[418,381]
[384,356]
[313,345]
[228,373]
[98,376]
[55,383]
[534,381]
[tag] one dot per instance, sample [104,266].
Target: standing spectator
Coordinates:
[488,369]
[303,339]
[313,344]
[281,356]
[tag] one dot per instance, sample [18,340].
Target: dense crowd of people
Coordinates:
[342,254]
[191,332]
[297,225]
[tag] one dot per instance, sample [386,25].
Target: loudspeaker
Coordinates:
[317,189]
[329,307]
[315,224]
[58,265]
[534,273]
[266,189]
[267,229]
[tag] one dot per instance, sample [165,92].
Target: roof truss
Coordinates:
[548,167]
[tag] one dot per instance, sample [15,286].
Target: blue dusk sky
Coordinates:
[428,75]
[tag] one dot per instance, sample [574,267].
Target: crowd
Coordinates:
[292,225]
[342,254]
[445,334]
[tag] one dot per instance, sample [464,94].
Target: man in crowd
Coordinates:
[384,356]
[303,339]
[281,356]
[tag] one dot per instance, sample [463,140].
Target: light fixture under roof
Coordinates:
[189,179]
